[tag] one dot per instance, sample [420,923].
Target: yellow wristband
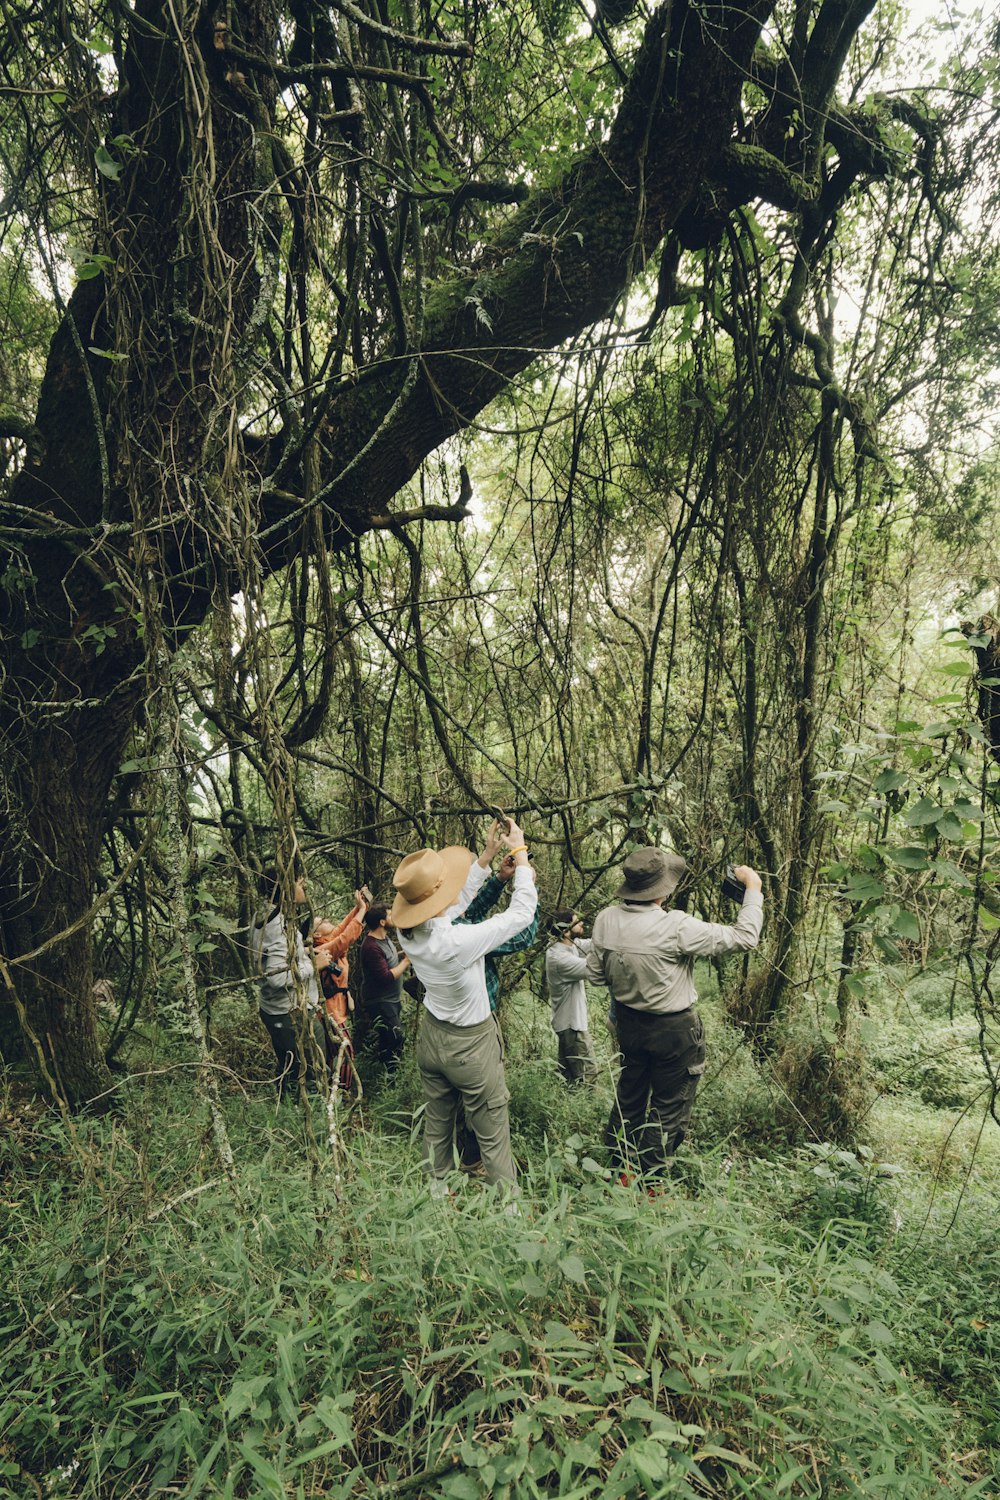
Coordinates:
[521,849]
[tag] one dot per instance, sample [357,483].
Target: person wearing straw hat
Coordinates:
[460,1049]
[645,956]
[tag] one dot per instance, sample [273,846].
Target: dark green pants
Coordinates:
[663,1058]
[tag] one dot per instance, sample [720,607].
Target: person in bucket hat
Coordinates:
[645,956]
[460,1051]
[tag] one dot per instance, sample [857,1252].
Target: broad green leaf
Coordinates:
[909,856]
[106,164]
[906,925]
[573,1269]
[922,814]
[949,827]
[949,872]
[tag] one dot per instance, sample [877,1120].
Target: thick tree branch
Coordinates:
[559,266]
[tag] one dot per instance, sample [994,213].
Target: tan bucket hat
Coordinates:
[428,882]
[650,874]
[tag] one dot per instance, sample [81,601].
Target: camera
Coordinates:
[734,889]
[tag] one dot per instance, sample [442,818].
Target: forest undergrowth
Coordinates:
[803,1321]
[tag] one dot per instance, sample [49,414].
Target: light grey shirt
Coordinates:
[646,955]
[277,992]
[565,969]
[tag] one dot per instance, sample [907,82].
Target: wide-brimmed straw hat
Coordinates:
[650,874]
[427,883]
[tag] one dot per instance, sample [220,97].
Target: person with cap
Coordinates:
[565,970]
[460,1052]
[645,956]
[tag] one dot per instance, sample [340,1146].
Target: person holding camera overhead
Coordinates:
[460,1048]
[645,956]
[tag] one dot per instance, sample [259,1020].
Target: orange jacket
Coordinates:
[336,944]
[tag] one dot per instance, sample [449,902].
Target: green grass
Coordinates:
[753,1340]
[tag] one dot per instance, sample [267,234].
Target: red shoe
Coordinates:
[626,1179]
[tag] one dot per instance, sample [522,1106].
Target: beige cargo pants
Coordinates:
[465,1062]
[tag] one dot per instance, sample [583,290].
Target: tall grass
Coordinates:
[599,1344]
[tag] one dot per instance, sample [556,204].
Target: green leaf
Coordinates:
[906,925]
[95,43]
[909,856]
[948,871]
[573,1269]
[890,781]
[949,827]
[863,887]
[922,814]
[106,164]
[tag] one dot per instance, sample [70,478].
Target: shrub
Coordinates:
[939,1062]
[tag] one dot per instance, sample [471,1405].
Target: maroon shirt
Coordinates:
[379,957]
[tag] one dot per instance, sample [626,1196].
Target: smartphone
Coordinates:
[366,895]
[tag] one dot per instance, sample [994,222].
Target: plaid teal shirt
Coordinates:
[477,910]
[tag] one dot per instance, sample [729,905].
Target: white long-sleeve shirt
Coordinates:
[449,960]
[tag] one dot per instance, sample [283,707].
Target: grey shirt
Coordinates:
[565,969]
[646,955]
[277,991]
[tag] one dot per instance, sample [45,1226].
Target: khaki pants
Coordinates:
[465,1062]
[577,1062]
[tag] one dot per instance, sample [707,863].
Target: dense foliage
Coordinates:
[822,1322]
[408,410]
